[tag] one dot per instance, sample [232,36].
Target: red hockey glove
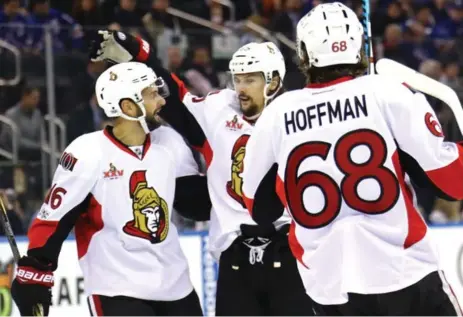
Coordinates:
[31,288]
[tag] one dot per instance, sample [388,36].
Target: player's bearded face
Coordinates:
[153,103]
[250,90]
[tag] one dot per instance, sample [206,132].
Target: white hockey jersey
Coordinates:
[227,133]
[120,203]
[342,151]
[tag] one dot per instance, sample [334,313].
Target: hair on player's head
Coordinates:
[318,75]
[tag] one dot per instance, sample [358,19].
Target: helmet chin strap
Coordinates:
[141,119]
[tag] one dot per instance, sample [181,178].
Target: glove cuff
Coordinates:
[31,275]
[31,271]
[144,50]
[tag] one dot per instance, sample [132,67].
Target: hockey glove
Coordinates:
[118,47]
[31,288]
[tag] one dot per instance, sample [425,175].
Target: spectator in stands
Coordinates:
[451,76]
[286,21]
[83,84]
[28,120]
[13,23]
[13,211]
[87,118]
[157,16]
[394,47]
[128,16]
[201,74]
[393,14]
[66,32]
[174,59]
[87,13]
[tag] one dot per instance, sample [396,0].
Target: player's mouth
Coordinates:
[156,115]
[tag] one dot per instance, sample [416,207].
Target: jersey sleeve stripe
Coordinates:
[454,171]
[206,151]
[40,232]
[296,248]
[46,237]
[416,226]
[182,91]
[280,190]
[87,225]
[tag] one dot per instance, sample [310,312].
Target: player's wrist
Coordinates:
[32,271]
[143,51]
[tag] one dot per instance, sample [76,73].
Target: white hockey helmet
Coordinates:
[332,34]
[259,57]
[126,81]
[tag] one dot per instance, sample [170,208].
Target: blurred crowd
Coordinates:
[195,40]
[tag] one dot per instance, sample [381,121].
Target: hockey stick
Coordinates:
[38,309]
[423,84]
[367,34]
[9,232]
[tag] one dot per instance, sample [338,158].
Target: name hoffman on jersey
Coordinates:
[325,112]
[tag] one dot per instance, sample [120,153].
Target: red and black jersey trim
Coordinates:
[177,114]
[108,132]
[47,237]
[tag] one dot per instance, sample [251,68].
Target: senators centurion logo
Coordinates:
[235,185]
[150,212]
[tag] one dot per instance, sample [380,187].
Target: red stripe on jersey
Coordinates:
[206,151]
[454,171]
[407,85]
[294,245]
[40,231]
[182,91]
[455,300]
[146,145]
[87,225]
[280,190]
[97,303]
[249,203]
[416,226]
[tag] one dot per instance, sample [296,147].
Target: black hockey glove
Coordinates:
[118,47]
[31,288]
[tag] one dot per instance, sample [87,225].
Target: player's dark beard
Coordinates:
[251,110]
[153,123]
[151,120]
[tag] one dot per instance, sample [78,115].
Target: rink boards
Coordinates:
[69,298]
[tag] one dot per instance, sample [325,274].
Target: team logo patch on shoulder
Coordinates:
[234,124]
[68,161]
[150,211]
[433,125]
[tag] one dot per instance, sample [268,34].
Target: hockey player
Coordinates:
[339,149]
[116,189]
[257,273]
